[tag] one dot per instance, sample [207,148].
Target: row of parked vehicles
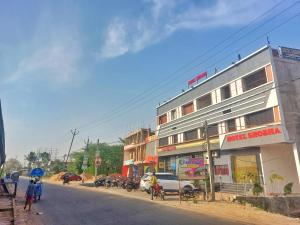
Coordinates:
[168,183]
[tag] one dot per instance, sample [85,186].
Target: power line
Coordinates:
[269,31]
[158,86]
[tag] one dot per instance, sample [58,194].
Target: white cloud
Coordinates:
[57,61]
[164,17]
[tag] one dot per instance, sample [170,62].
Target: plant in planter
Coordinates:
[288,188]
[257,189]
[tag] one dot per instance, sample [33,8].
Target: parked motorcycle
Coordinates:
[66,180]
[100,182]
[188,192]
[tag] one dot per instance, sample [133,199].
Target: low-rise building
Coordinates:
[139,152]
[252,109]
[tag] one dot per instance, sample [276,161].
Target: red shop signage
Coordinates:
[253,134]
[168,148]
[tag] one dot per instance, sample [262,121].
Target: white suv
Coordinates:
[168,181]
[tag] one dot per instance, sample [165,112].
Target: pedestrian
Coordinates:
[29,194]
[38,190]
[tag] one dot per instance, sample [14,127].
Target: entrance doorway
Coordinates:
[245,169]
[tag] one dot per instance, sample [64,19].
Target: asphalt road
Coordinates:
[62,205]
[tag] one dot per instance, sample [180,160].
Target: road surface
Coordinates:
[62,205]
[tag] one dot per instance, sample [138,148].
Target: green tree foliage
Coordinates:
[31,157]
[45,157]
[57,166]
[111,159]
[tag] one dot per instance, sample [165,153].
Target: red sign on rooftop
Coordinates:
[197,78]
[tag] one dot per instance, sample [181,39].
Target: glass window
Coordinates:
[225,92]
[231,126]
[163,141]
[260,118]
[204,101]
[188,108]
[213,130]
[173,114]
[166,177]
[190,135]
[162,119]
[254,80]
[175,139]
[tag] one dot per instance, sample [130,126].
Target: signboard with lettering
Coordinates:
[97,158]
[191,168]
[290,53]
[197,78]
[256,137]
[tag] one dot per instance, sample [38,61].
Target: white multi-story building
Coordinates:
[253,112]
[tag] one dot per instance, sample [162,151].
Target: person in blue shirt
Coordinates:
[29,194]
[38,190]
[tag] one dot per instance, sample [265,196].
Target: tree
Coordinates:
[31,157]
[57,166]
[45,157]
[12,165]
[111,159]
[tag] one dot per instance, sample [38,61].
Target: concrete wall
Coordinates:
[288,206]
[279,159]
[287,77]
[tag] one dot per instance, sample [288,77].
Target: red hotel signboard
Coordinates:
[254,134]
[254,137]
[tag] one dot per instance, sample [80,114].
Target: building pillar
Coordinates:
[296,148]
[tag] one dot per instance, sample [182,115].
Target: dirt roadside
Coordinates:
[25,217]
[226,210]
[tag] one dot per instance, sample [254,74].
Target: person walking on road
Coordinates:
[29,194]
[38,190]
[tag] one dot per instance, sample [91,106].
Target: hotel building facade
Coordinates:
[252,109]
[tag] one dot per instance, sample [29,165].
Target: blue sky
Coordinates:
[76,64]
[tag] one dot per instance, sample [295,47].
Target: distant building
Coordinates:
[253,112]
[139,153]
[2,139]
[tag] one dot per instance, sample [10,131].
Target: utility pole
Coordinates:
[74,132]
[210,164]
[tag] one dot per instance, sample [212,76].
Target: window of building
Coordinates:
[190,135]
[188,108]
[260,118]
[173,114]
[225,92]
[175,139]
[162,119]
[254,80]
[212,130]
[230,125]
[204,101]
[163,141]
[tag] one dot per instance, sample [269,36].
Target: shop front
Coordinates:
[257,155]
[170,156]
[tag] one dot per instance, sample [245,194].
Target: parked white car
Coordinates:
[168,181]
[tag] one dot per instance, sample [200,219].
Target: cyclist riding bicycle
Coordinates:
[155,188]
